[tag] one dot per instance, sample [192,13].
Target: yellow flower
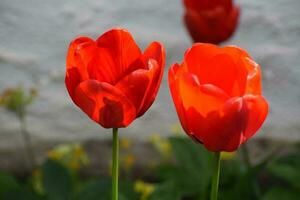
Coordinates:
[128,161]
[155,137]
[227,155]
[176,129]
[145,189]
[162,145]
[125,143]
[37,181]
[74,164]
[70,155]
[54,155]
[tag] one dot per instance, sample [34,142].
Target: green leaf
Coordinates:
[21,194]
[166,191]
[127,190]
[56,181]
[7,183]
[188,152]
[193,172]
[239,183]
[101,190]
[96,190]
[288,173]
[281,194]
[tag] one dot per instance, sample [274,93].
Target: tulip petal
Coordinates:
[104,104]
[202,5]
[173,75]
[242,58]
[257,112]
[156,52]
[254,83]
[209,97]
[234,124]
[135,85]
[117,54]
[220,130]
[212,66]
[192,4]
[211,21]
[79,54]
[154,57]
[198,56]
[72,79]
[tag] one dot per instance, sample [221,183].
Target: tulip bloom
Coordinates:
[111,80]
[211,21]
[217,93]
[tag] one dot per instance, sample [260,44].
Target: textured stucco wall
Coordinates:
[34,36]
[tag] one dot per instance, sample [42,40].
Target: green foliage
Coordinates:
[186,176]
[56,181]
[281,194]
[10,189]
[190,176]
[17,99]
[95,189]
[286,173]
[7,183]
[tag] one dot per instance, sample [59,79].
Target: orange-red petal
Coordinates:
[243,59]
[79,54]
[117,52]
[209,97]
[141,86]
[220,130]
[229,127]
[258,109]
[174,72]
[104,104]
[211,21]
[214,66]
[154,58]
[135,85]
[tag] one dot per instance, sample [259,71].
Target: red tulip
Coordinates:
[111,80]
[217,95]
[211,21]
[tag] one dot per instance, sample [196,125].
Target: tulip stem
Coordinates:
[115,164]
[28,145]
[216,174]
[246,156]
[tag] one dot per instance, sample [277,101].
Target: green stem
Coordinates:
[115,165]
[246,156]
[216,175]
[247,163]
[28,144]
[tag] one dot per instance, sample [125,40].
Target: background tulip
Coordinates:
[111,80]
[211,21]
[217,95]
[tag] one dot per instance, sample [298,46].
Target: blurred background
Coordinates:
[34,37]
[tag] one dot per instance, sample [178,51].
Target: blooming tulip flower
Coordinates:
[217,93]
[211,21]
[111,80]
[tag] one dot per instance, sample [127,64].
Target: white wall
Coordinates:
[34,35]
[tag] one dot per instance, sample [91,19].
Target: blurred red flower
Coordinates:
[111,80]
[217,93]
[211,21]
